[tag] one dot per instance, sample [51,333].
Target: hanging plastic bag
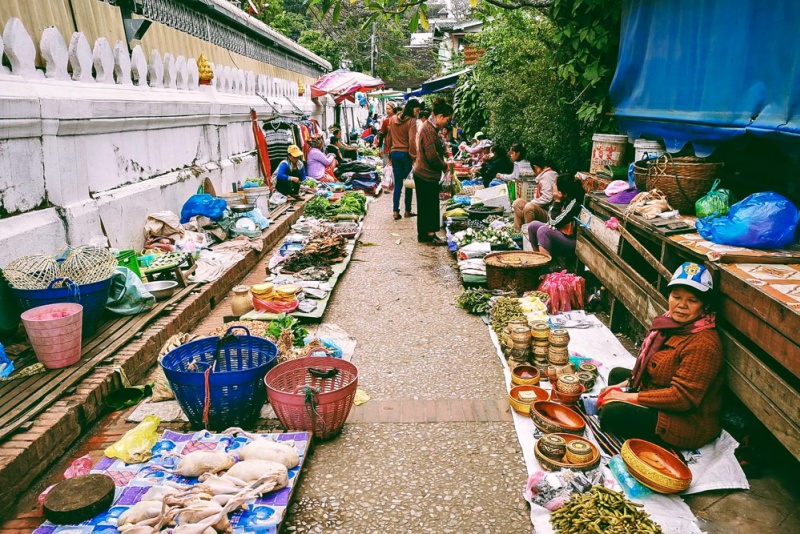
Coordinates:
[211,207]
[715,203]
[135,445]
[408,183]
[762,220]
[388,179]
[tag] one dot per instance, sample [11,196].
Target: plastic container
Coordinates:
[643,148]
[607,149]
[632,487]
[127,258]
[236,392]
[9,313]
[54,331]
[92,297]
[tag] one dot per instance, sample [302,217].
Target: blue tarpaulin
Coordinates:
[438,84]
[707,71]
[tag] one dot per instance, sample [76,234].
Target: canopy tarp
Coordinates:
[343,84]
[438,84]
[707,71]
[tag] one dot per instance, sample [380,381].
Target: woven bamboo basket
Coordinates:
[515,270]
[684,180]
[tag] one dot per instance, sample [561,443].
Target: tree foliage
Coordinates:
[514,93]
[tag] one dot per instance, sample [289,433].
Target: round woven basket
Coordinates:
[515,270]
[684,180]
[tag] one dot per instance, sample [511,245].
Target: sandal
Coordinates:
[410,214]
[397,216]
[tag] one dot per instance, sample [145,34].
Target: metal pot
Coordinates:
[161,290]
[242,208]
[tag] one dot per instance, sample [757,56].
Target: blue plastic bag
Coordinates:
[211,207]
[6,365]
[762,220]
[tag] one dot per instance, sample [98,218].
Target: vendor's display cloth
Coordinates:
[211,265]
[713,466]
[264,515]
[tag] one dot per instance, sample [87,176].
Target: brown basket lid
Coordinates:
[517,259]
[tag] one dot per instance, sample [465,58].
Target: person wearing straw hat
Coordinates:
[290,172]
[673,395]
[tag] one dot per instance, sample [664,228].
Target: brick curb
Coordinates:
[27,455]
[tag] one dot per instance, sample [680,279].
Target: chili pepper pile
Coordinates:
[602,511]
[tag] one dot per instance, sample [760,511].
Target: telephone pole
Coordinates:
[372,51]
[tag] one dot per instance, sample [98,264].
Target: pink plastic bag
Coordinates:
[565,291]
[79,466]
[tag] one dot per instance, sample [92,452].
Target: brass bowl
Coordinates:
[549,464]
[551,417]
[521,405]
[655,467]
[558,355]
[559,337]
[578,452]
[525,375]
[568,384]
[568,398]
[587,379]
[540,331]
[553,446]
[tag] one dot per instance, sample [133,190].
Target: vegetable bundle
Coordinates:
[474,300]
[317,208]
[287,322]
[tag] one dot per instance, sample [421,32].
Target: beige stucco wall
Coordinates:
[100,19]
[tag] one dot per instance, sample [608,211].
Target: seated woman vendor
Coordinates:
[673,395]
[290,172]
[556,237]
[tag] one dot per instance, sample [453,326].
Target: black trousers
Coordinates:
[287,187]
[427,207]
[626,420]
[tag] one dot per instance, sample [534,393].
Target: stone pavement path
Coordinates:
[435,449]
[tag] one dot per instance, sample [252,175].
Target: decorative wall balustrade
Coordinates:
[104,64]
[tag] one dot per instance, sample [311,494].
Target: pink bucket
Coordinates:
[54,331]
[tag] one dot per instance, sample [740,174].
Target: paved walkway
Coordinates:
[435,449]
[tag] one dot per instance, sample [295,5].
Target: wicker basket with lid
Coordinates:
[518,270]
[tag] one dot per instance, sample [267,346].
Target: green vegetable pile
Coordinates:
[474,300]
[351,203]
[317,208]
[503,311]
[369,151]
[602,510]
[283,322]
[310,182]
[488,235]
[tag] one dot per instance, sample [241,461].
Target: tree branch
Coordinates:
[521,4]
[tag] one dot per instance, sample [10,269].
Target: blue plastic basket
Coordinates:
[235,382]
[92,297]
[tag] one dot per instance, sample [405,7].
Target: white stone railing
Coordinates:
[115,66]
[95,138]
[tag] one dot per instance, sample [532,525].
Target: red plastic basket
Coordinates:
[313,394]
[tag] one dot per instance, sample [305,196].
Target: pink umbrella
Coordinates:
[342,84]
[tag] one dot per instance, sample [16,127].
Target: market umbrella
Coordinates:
[342,84]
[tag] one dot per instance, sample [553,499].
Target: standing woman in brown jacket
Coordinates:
[401,145]
[674,391]
[428,169]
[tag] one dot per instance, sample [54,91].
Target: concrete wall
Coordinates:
[99,138]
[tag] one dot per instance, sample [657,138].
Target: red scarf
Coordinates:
[663,327]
